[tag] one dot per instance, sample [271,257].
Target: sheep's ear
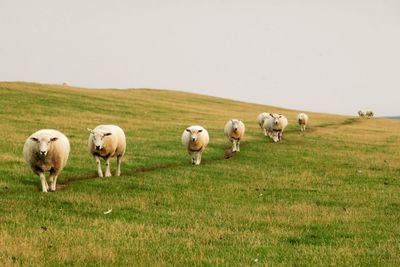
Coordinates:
[90,130]
[107,134]
[34,139]
[188,130]
[54,139]
[199,131]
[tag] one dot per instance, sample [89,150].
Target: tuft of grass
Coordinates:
[329,196]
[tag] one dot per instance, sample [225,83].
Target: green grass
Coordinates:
[327,197]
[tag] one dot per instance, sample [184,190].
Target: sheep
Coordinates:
[302,119]
[47,150]
[195,139]
[361,113]
[107,141]
[369,114]
[65,84]
[275,124]
[260,120]
[234,130]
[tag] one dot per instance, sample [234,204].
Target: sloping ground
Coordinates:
[326,197]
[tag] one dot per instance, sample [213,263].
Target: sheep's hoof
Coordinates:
[108,174]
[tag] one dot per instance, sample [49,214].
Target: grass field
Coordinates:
[330,196]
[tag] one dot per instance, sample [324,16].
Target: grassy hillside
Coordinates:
[327,197]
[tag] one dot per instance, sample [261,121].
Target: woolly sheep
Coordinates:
[361,113]
[275,124]
[107,141]
[195,139]
[260,120]
[302,119]
[47,150]
[234,130]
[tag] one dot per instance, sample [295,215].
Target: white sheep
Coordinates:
[361,113]
[302,119]
[260,120]
[195,139]
[275,124]
[47,150]
[107,141]
[234,130]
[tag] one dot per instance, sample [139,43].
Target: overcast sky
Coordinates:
[328,56]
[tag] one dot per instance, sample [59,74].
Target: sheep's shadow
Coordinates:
[66,181]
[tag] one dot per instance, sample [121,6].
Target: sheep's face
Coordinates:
[235,125]
[194,134]
[275,119]
[98,139]
[43,144]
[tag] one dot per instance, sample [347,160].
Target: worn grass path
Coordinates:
[326,197]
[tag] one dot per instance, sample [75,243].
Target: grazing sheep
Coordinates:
[302,119]
[260,120]
[275,124]
[369,114]
[107,141]
[234,130]
[195,139]
[361,113]
[47,150]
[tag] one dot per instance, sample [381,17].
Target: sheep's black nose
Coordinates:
[235,129]
[193,139]
[97,147]
[43,152]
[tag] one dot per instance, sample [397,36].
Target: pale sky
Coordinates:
[333,56]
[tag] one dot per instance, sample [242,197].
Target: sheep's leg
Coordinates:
[53,180]
[45,186]
[108,172]
[275,137]
[193,157]
[198,158]
[234,146]
[265,132]
[98,162]
[118,171]
[238,145]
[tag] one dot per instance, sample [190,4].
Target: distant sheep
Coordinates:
[302,119]
[275,124]
[47,150]
[234,130]
[369,114]
[260,120]
[107,141]
[195,139]
[65,84]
